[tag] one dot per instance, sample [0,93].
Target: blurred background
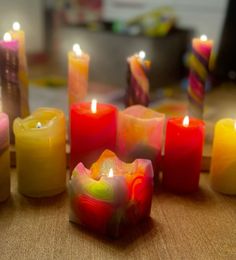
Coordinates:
[110,31]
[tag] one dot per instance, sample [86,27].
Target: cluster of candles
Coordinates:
[114,154]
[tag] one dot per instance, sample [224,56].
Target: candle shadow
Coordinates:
[44,202]
[127,240]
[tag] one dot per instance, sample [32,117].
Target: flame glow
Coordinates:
[142,55]
[77,50]
[110,174]
[186,121]
[94,106]
[16,26]
[7,37]
[234,125]
[39,125]
[203,38]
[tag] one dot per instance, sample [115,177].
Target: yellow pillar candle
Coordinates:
[40,153]
[78,67]
[4,158]
[19,35]
[223,165]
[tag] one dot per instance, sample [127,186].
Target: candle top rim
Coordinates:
[227,123]
[142,113]
[193,122]
[84,108]
[48,117]
[108,160]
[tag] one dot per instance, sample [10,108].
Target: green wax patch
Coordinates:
[100,190]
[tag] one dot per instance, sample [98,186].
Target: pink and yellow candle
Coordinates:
[111,195]
[138,82]
[140,134]
[199,71]
[78,68]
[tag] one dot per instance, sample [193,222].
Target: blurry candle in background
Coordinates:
[93,129]
[138,82]
[4,158]
[183,154]
[223,164]
[199,72]
[41,153]
[19,35]
[111,195]
[140,134]
[78,68]
[9,78]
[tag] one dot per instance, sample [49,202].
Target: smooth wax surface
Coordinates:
[140,134]
[223,165]
[91,133]
[4,158]
[106,204]
[40,153]
[183,155]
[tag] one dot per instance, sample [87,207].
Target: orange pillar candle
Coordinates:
[78,68]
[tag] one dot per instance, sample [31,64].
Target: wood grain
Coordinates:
[198,226]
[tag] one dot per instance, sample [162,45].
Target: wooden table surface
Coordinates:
[197,226]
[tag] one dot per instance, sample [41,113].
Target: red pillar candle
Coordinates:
[93,129]
[183,154]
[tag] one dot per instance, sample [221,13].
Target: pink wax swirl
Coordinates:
[199,72]
[138,82]
[10,86]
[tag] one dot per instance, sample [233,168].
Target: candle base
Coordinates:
[41,194]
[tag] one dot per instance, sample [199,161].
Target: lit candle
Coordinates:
[78,69]
[112,195]
[138,82]
[183,154]
[93,129]
[140,134]
[199,70]
[10,87]
[40,153]
[223,164]
[19,35]
[4,158]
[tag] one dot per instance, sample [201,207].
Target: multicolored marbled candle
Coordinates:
[199,70]
[140,134]
[138,82]
[112,195]
[10,86]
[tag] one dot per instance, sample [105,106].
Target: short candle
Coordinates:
[112,195]
[41,153]
[4,157]
[140,134]
[223,164]
[93,129]
[183,154]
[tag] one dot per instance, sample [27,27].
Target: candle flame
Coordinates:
[94,106]
[77,50]
[142,55]
[16,26]
[110,174]
[203,38]
[7,37]
[235,125]
[39,125]
[186,121]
